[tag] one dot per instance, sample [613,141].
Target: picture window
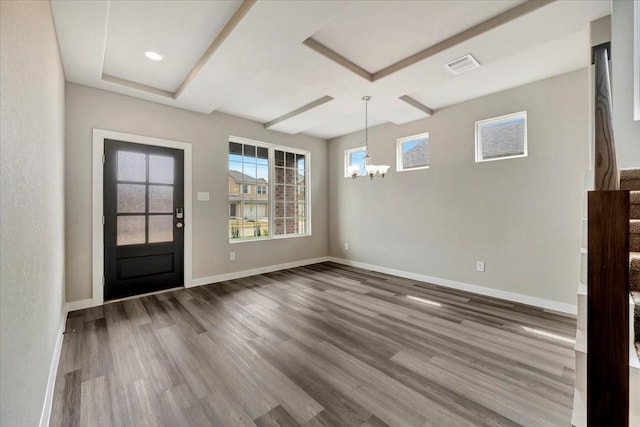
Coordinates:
[267,191]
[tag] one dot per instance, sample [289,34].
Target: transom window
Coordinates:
[268,195]
[503,137]
[412,152]
[354,156]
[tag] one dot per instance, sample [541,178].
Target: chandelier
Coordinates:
[371,169]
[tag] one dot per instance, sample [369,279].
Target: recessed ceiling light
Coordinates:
[153,56]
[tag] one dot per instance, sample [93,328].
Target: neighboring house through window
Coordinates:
[412,152]
[289,192]
[503,137]
[252,213]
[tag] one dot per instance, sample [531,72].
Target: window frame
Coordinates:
[478,136]
[347,159]
[399,154]
[271,190]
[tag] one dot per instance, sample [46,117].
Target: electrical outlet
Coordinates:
[480,266]
[232,256]
[346,246]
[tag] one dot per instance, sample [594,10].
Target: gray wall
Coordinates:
[626,130]
[521,216]
[88,108]
[31,207]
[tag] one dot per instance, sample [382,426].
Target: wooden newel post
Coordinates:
[608,270]
[606,169]
[608,310]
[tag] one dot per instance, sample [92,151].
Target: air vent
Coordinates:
[462,65]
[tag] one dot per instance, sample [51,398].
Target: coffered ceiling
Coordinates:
[303,66]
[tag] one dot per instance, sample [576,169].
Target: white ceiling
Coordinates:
[376,34]
[165,27]
[260,69]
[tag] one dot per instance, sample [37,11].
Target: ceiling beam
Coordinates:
[137,86]
[337,58]
[217,42]
[406,98]
[300,110]
[452,41]
[465,35]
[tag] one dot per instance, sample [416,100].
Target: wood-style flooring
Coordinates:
[321,345]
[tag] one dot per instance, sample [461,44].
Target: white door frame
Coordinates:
[99,135]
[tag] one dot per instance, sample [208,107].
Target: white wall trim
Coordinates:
[636,59]
[255,271]
[476,289]
[79,305]
[53,370]
[99,135]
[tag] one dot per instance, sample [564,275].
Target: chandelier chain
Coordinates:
[371,169]
[366,124]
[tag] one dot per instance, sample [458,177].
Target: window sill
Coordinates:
[268,239]
[412,169]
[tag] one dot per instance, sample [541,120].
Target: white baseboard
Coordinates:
[79,305]
[255,271]
[86,303]
[53,369]
[476,289]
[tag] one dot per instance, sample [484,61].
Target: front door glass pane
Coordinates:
[161,199]
[130,230]
[131,166]
[160,169]
[131,198]
[160,228]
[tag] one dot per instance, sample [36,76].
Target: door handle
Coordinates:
[179,217]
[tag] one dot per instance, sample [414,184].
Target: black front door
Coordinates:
[143,218]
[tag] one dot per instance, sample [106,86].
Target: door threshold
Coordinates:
[144,295]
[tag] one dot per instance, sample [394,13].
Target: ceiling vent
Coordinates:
[462,65]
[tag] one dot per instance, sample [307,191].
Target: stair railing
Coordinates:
[608,269]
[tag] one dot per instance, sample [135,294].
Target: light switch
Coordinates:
[202,196]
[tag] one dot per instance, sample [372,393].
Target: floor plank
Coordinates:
[318,345]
